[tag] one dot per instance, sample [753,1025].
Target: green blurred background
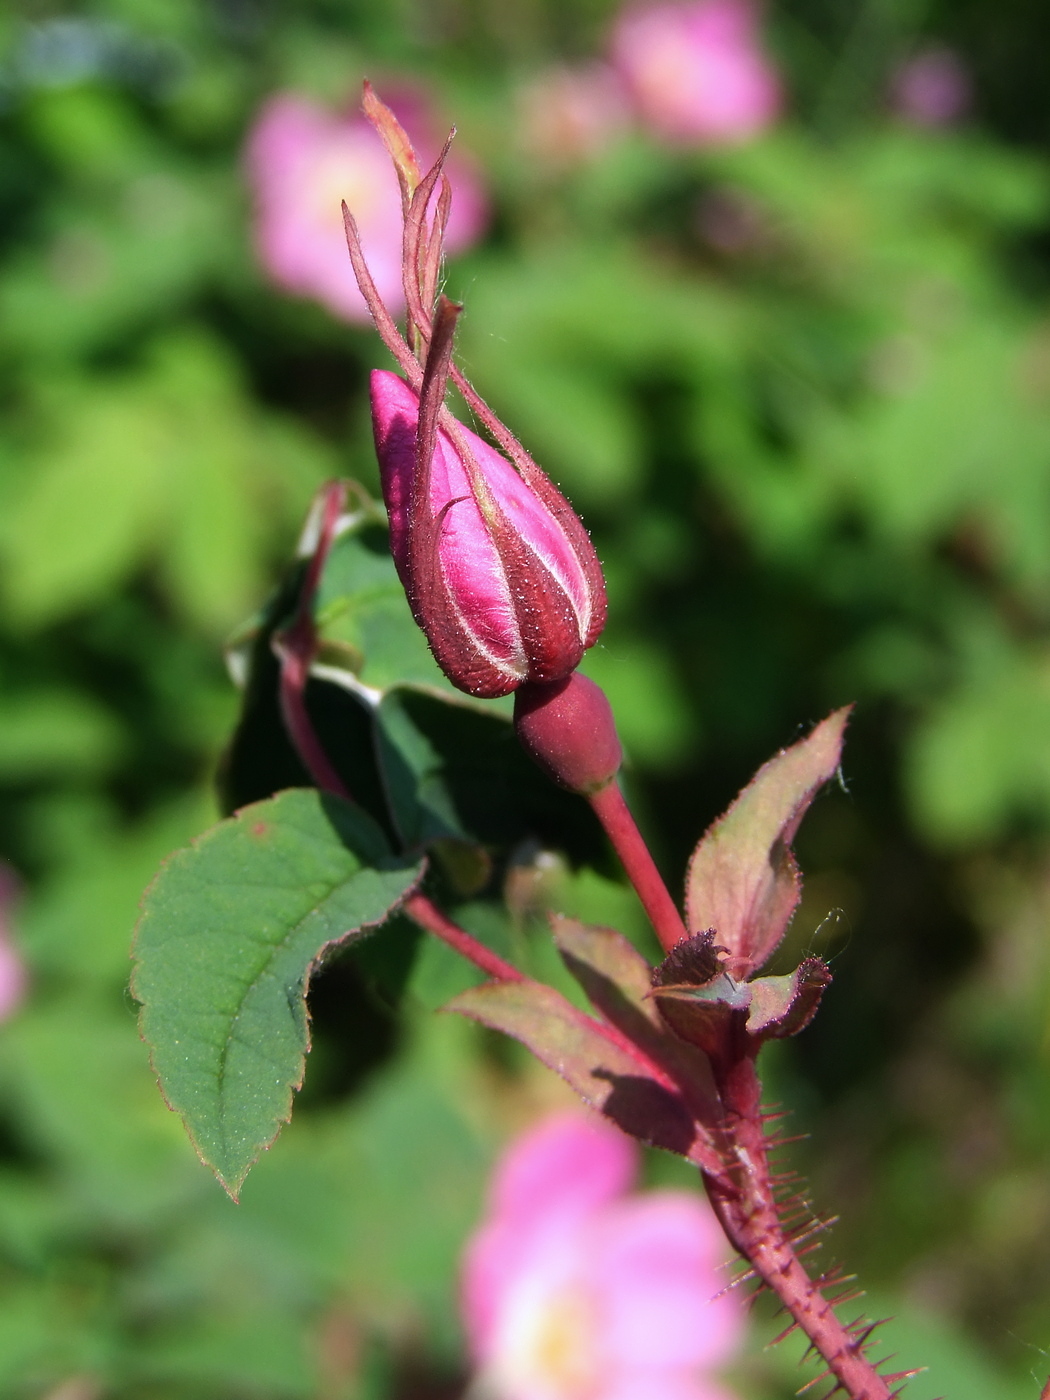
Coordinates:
[800,391]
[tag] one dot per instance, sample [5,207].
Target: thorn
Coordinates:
[781,1336]
[814,1248]
[794,1204]
[819,1227]
[862,1331]
[815,1381]
[738,1282]
[836,1389]
[864,1335]
[840,1300]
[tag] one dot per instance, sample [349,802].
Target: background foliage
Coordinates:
[815,456]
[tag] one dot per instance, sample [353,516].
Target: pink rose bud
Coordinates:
[499,572]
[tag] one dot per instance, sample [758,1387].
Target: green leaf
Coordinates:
[166,463]
[783,1006]
[743,881]
[231,930]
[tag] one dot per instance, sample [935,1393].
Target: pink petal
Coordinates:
[568,1165]
[655,1261]
[13,979]
[548,1185]
[660,1385]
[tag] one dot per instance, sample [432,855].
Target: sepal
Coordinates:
[706,1006]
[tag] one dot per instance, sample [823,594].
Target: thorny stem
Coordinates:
[295,646]
[743,1199]
[615,816]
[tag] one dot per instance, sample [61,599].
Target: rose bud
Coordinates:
[498,569]
[499,573]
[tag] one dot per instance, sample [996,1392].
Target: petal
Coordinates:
[568,1165]
[664,1385]
[472,566]
[657,1262]
[470,562]
[547,1188]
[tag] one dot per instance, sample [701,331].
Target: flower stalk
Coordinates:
[611,809]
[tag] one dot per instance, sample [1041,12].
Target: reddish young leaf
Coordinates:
[743,881]
[607,959]
[610,1075]
[617,980]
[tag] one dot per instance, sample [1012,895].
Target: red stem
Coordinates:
[615,816]
[744,1201]
[427,915]
[295,669]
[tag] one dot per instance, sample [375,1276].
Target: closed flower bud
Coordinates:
[499,572]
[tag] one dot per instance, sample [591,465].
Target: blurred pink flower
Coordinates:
[697,72]
[13,977]
[568,114]
[302,161]
[931,89]
[574,1289]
